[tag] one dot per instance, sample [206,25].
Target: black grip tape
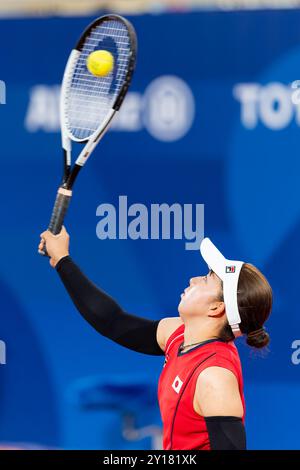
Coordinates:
[58,214]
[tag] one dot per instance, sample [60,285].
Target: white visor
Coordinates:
[228,271]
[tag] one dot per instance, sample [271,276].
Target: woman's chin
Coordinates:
[181,305]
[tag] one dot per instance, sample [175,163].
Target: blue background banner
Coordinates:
[209,120]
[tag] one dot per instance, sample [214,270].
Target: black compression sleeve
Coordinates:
[105,315]
[226,433]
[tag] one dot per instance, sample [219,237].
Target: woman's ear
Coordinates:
[216,309]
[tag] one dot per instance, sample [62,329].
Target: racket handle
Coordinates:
[60,208]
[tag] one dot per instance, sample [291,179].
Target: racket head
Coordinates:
[87,100]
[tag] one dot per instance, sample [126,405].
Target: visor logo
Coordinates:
[230,269]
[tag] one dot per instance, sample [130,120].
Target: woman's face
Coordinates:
[199,296]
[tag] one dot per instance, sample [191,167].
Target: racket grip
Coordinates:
[60,208]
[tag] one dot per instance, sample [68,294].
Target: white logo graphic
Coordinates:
[177,384]
[169,108]
[296,94]
[166,110]
[274,105]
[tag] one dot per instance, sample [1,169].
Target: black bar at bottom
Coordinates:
[133,459]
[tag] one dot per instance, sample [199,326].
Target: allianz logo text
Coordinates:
[165,109]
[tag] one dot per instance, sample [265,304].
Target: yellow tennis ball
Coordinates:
[100,63]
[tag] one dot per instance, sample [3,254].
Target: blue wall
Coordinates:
[238,156]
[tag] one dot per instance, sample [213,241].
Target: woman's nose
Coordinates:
[194,280]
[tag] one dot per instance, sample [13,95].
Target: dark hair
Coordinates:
[255,303]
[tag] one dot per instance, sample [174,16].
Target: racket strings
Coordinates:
[90,98]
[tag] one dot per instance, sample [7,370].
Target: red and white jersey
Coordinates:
[183,428]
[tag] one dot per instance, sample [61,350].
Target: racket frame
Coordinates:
[70,174]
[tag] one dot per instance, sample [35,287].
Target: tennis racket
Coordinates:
[88,103]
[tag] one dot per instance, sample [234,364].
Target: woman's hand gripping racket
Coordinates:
[96,79]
